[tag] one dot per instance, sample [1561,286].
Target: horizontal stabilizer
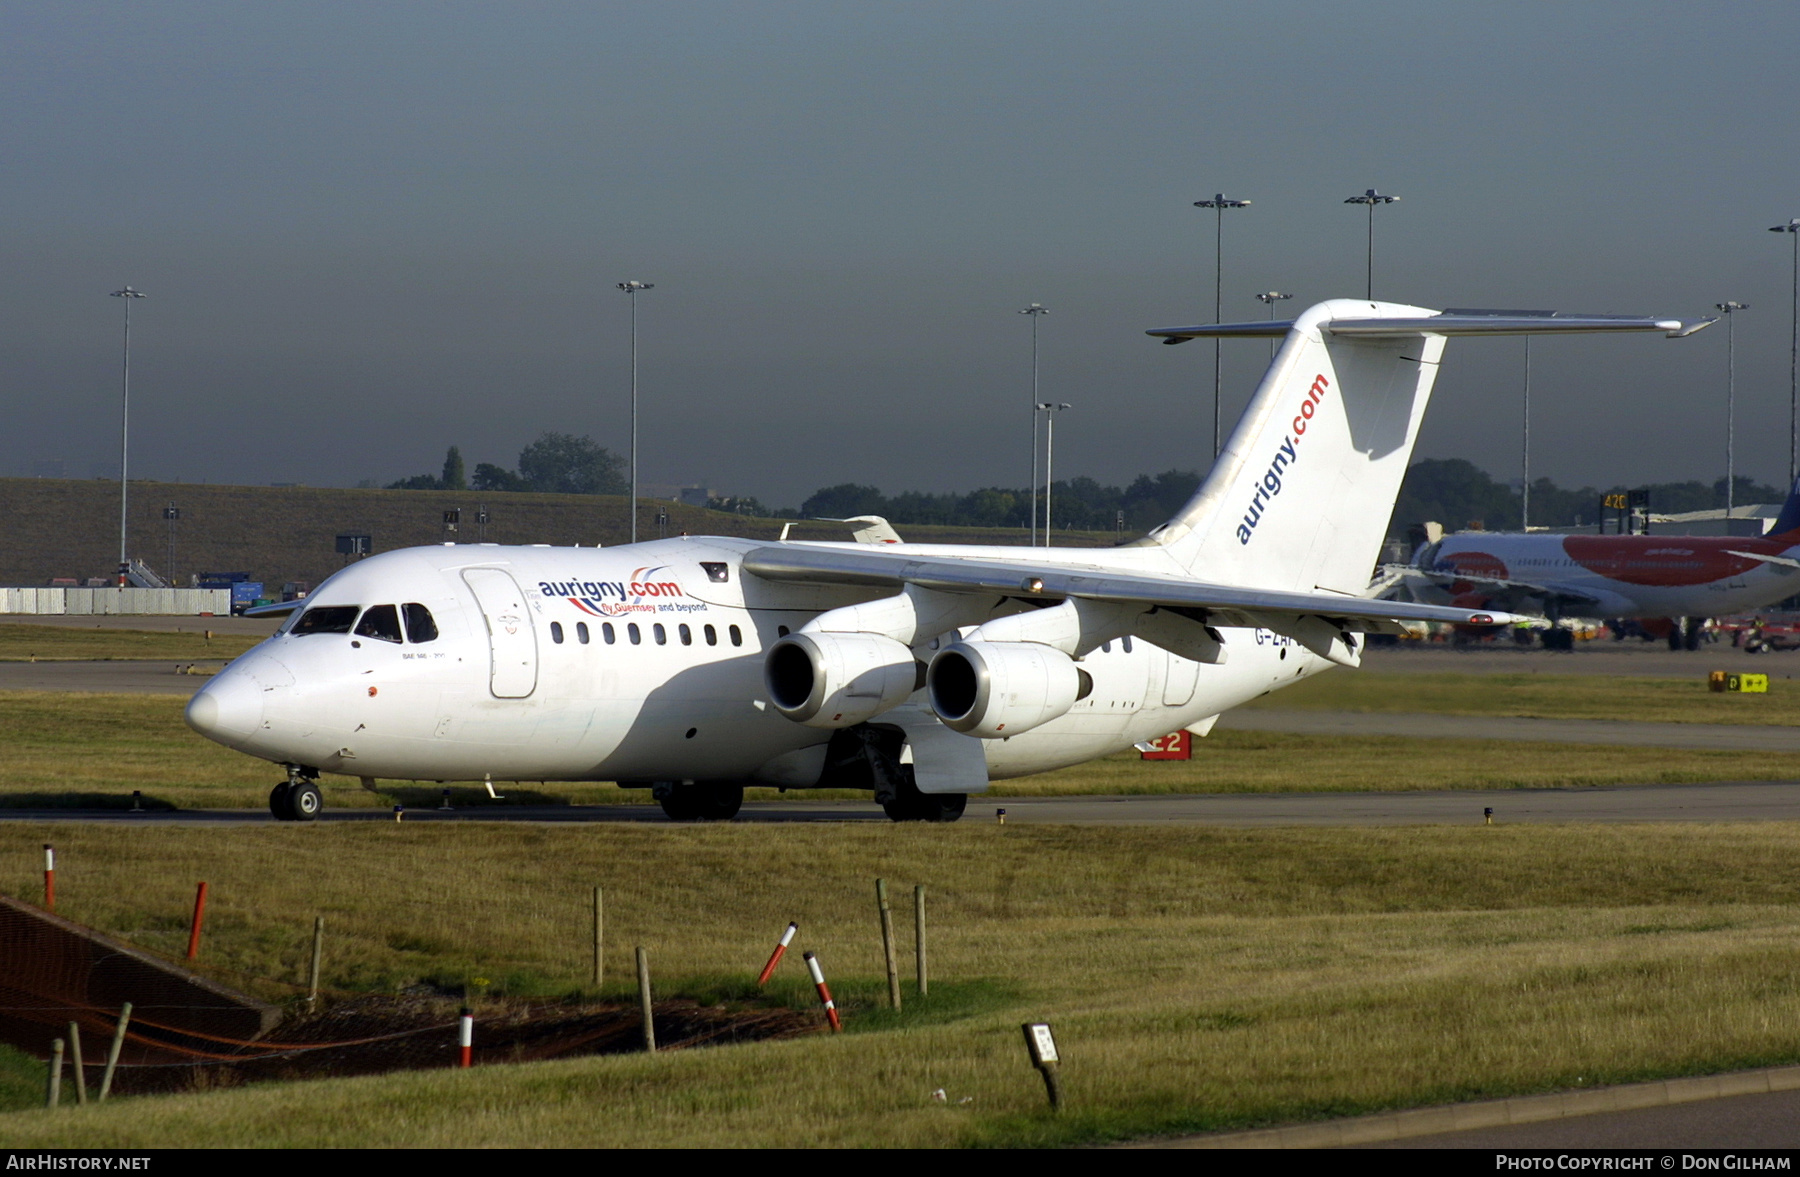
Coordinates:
[1449,323]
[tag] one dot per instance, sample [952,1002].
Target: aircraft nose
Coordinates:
[230,707]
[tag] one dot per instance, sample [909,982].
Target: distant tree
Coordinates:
[738,505]
[417,482]
[564,464]
[453,478]
[491,477]
[843,501]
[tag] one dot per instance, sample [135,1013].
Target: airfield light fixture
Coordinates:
[128,294]
[1792,229]
[1269,298]
[1218,204]
[1036,311]
[631,286]
[1049,409]
[1371,198]
[1728,308]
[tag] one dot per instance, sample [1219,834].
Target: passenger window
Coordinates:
[737,637]
[687,635]
[326,619]
[662,635]
[712,636]
[632,632]
[606,632]
[556,632]
[581,632]
[380,621]
[419,624]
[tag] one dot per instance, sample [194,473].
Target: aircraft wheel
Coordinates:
[909,804]
[1674,633]
[278,802]
[681,804]
[945,807]
[718,801]
[305,802]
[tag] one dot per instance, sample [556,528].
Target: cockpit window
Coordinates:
[380,621]
[326,619]
[419,624]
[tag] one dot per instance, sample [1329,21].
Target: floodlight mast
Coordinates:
[1049,409]
[1269,298]
[1371,198]
[125,432]
[1218,204]
[1728,308]
[1792,229]
[631,287]
[1036,311]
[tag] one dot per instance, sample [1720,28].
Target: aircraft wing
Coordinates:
[1026,578]
[1513,591]
[1778,561]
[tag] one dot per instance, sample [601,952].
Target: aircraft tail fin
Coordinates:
[1303,489]
[1789,519]
[1302,492]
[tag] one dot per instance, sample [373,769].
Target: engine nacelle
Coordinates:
[998,689]
[834,680]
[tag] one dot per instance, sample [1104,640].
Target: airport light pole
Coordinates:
[631,287]
[1792,229]
[1036,311]
[1049,409]
[1525,447]
[1218,204]
[1728,308]
[1269,298]
[128,294]
[1371,198]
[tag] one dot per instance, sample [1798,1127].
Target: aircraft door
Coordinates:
[512,638]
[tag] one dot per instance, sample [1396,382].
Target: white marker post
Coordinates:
[1042,1048]
[818,976]
[465,1038]
[781,948]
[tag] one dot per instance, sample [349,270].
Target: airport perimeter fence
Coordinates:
[62,600]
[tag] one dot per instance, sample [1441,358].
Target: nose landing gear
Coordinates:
[297,798]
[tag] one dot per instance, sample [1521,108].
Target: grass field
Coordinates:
[80,750]
[1197,979]
[1540,696]
[45,643]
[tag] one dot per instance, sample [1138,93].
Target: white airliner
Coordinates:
[695,666]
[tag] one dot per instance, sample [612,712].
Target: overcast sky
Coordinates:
[371,231]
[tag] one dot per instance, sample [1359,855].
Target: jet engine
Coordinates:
[834,680]
[996,689]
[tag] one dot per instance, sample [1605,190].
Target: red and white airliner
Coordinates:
[1611,576]
[694,666]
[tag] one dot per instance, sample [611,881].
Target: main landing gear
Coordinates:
[297,798]
[908,804]
[699,800]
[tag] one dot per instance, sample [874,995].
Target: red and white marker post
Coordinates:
[465,1037]
[781,948]
[49,877]
[812,966]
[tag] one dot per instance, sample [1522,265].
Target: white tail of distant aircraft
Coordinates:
[694,666]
